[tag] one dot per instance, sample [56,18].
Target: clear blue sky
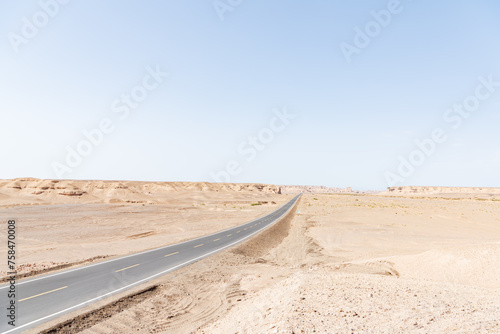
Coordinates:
[353,119]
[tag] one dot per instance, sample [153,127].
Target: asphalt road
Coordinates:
[47,297]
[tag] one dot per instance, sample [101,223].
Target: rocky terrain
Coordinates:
[31,191]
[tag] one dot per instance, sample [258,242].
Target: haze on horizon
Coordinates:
[333,93]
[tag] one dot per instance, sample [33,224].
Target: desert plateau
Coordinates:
[404,261]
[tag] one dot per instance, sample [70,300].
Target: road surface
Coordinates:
[44,298]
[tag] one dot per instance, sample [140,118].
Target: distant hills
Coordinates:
[314,189]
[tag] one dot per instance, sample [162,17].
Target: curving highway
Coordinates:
[47,297]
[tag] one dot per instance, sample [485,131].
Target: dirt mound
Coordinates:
[261,244]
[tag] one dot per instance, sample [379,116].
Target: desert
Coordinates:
[339,263]
[250,167]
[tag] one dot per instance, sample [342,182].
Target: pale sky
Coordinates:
[333,93]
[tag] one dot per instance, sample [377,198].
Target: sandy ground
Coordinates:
[381,265]
[339,264]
